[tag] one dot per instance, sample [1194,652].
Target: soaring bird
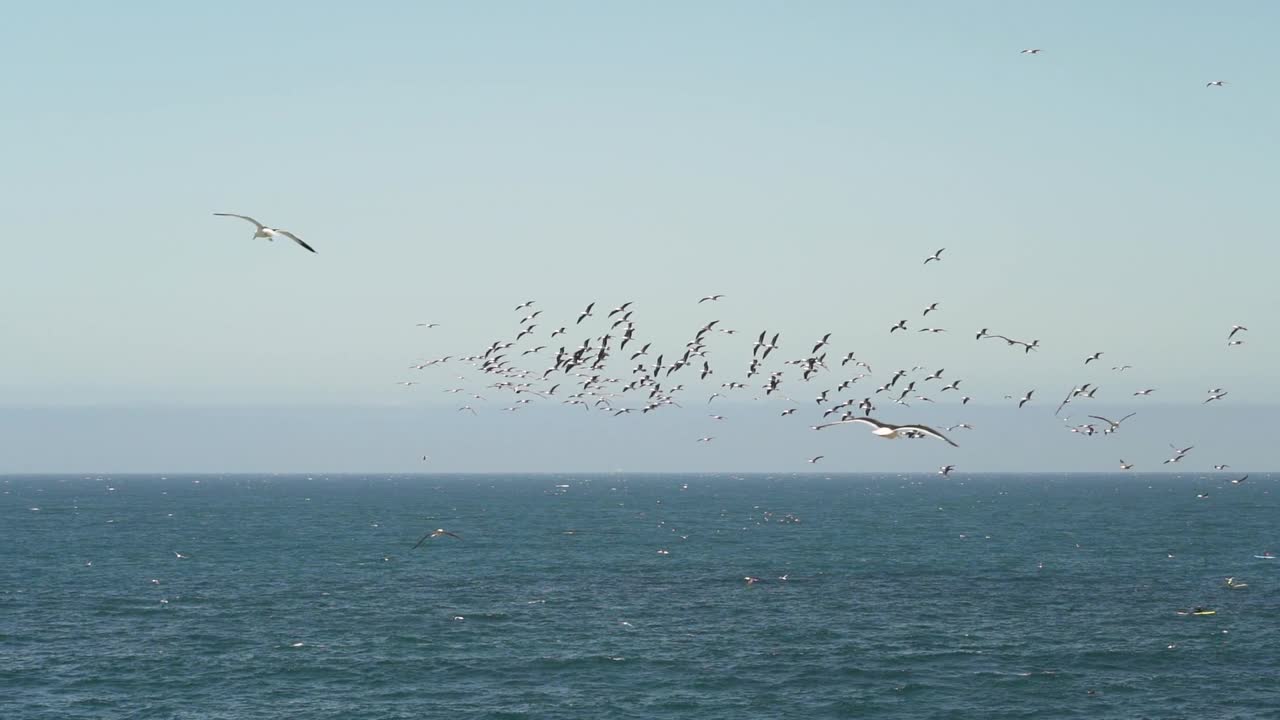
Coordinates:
[268,232]
[1025,398]
[891,432]
[1215,83]
[1031,51]
[936,256]
[1235,329]
[711,298]
[438,532]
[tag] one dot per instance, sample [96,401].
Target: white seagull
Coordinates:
[936,256]
[712,298]
[1215,83]
[1235,329]
[438,532]
[268,232]
[1031,51]
[891,432]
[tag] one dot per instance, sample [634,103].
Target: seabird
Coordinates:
[268,232]
[936,256]
[1115,424]
[1124,465]
[1092,357]
[1030,51]
[945,470]
[712,298]
[438,532]
[890,432]
[1215,83]
[815,459]
[1235,329]
[1025,398]
[1240,480]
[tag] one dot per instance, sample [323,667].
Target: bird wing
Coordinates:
[242,217]
[296,239]
[863,420]
[928,431]
[422,540]
[452,535]
[1112,423]
[1126,417]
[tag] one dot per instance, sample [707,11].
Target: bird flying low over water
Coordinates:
[890,432]
[438,532]
[269,233]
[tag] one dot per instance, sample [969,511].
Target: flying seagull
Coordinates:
[1235,329]
[438,532]
[1115,424]
[268,232]
[891,432]
[1215,83]
[712,298]
[936,256]
[1031,51]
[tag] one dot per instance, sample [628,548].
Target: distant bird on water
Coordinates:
[269,233]
[438,532]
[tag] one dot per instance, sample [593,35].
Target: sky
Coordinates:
[451,160]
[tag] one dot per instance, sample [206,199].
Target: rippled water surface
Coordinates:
[1003,596]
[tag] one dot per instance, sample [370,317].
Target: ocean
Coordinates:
[623,596]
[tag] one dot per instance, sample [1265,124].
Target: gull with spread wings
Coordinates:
[269,233]
[891,432]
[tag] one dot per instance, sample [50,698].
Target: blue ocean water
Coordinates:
[905,596]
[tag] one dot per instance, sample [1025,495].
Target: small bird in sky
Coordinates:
[945,470]
[1237,328]
[1216,83]
[1025,398]
[269,233]
[815,459]
[1124,465]
[1092,357]
[936,256]
[1030,51]
[710,298]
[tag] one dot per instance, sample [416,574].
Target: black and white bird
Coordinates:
[815,459]
[1124,465]
[936,256]
[891,432]
[1092,357]
[1114,424]
[269,233]
[1025,398]
[585,313]
[711,298]
[438,532]
[901,325]
[1235,329]
[1215,83]
[1030,51]
[931,308]
[945,470]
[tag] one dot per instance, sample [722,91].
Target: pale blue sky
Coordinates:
[449,161]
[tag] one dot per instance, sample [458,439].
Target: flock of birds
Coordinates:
[586,375]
